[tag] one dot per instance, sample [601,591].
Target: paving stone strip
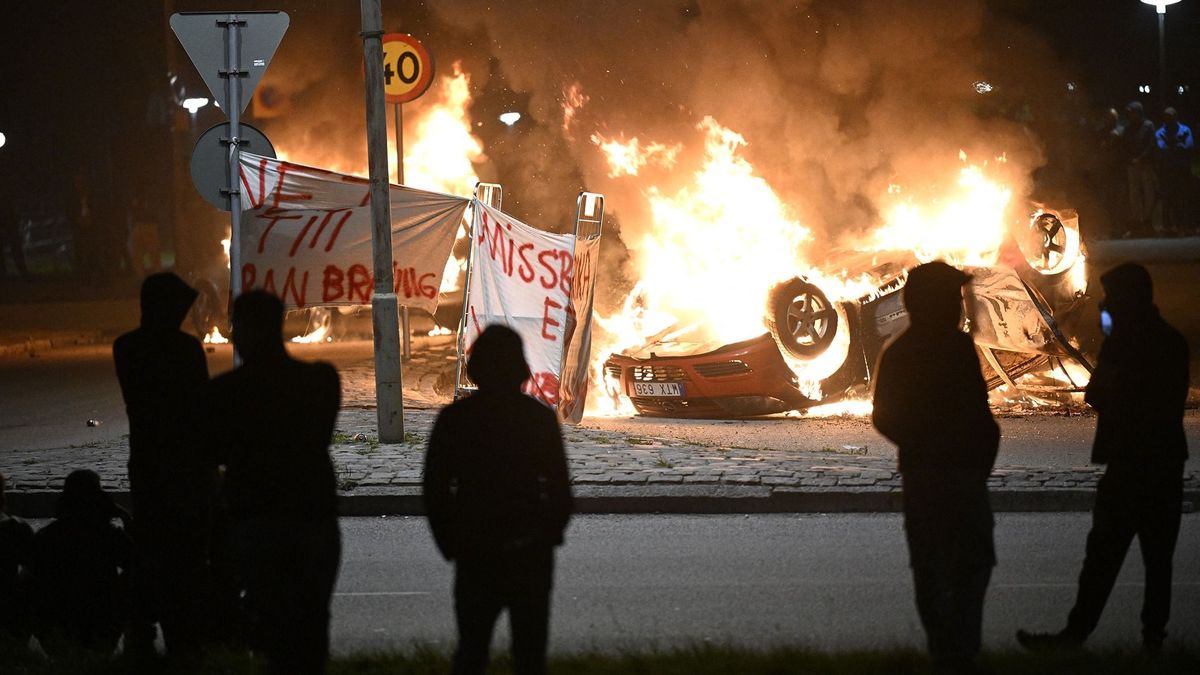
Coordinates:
[599,459]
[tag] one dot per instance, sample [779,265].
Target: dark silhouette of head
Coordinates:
[933,295]
[1134,111]
[1128,290]
[498,360]
[258,326]
[166,300]
[82,497]
[1170,119]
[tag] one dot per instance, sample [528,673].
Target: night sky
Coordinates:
[85,90]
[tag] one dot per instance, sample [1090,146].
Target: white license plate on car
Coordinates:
[673,389]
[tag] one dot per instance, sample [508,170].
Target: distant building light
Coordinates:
[510,118]
[1144,88]
[3,139]
[194,104]
[983,87]
[1070,86]
[1182,89]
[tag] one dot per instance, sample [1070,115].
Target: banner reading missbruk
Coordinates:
[521,277]
[306,236]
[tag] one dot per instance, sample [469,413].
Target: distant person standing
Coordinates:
[498,496]
[172,479]
[1138,389]
[274,417]
[1138,140]
[1175,147]
[931,401]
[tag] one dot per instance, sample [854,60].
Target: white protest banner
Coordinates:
[521,277]
[306,236]
[577,353]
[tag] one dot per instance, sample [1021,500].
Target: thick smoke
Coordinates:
[836,99]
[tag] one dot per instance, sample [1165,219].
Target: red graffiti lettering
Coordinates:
[526,268]
[359,284]
[331,284]
[552,281]
[547,321]
[249,274]
[543,386]
[298,292]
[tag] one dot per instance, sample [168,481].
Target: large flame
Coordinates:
[717,246]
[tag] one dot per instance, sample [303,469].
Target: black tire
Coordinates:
[801,319]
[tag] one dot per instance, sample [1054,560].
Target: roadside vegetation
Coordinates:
[703,660]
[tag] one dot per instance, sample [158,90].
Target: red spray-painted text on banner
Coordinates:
[306,236]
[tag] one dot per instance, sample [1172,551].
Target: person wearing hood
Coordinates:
[1139,390]
[78,565]
[273,417]
[931,401]
[162,372]
[498,497]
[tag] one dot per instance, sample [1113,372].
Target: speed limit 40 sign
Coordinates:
[407,68]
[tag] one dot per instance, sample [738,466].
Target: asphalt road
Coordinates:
[826,581]
[48,399]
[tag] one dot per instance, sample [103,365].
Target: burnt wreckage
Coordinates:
[1029,314]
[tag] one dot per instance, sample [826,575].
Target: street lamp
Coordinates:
[3,139]
[1161,7]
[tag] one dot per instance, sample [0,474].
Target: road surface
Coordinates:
[825,581]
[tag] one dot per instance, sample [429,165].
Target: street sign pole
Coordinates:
[398,116]
[388,385]
[233,86]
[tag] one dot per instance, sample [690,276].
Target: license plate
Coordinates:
[673,389]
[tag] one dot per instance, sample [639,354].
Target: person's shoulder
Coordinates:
[318,370]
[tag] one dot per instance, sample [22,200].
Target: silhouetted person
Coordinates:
[1175,148]
[275,417]
[1138,389]
[15,540]
[1138,140]
[78,564]
[931,401]
[498,497]
[163,372]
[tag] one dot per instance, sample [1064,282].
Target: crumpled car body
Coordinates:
[1026,313]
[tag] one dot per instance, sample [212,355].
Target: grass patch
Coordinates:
[413,439]
[340,438]
[699,660]
[663,463]
[634,440]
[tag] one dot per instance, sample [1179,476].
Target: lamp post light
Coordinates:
[1161,7]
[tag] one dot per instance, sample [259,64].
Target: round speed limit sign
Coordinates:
[407,68]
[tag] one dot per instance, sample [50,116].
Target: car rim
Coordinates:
[808,319]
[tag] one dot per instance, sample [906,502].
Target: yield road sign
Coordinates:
[202,35]
[407,68]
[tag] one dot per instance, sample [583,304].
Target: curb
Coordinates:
[673,500]
[42,344]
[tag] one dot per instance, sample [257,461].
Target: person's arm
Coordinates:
[436,492]
[1185,138]
[888,412]
[560,504]
[1160,138]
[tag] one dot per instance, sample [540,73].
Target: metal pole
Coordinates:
[1162,59]
[233,81]
[389,390]
[398,116]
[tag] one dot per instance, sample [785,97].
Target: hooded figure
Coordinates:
[1138,389]
[273,417]
[931,401]
[77,565]
[162,372]
[498,497]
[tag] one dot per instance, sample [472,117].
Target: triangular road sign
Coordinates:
[204,38]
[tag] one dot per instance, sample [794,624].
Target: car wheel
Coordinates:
[801,319]
[1052,246]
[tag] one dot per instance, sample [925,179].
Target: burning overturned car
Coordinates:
[1029,313]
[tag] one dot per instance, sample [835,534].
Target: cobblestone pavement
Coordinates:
[597,458]
[600,457]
